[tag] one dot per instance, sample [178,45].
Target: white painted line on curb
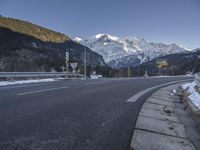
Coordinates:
[135,97]
[45,90]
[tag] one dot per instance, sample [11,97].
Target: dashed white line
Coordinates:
[44,90]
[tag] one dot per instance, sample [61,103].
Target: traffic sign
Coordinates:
[73,65]
[161,63]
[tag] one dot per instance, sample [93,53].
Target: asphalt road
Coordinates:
[72,115]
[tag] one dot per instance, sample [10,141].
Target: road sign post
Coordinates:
[160,63]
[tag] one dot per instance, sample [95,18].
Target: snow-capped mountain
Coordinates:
[118,52]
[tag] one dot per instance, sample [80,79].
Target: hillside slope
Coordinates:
[28,47]
[33,30]
[179,64]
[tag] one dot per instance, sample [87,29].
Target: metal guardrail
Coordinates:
[37,74]
[197,79]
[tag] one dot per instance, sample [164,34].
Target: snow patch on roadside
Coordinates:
[6,83]
[173,92]
[194,96]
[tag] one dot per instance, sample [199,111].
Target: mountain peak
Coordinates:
[106,36]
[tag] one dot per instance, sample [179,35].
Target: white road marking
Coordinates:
[93,83]
[135,97]
[44,90]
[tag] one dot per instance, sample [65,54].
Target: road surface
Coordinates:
[72,115]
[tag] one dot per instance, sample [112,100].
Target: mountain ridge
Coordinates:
[178,64]
[40,49]
[28,28]
[115,50]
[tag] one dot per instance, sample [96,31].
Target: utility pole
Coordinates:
[85,61]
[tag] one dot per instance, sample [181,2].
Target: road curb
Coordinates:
[158,126]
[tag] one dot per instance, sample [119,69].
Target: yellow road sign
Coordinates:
[161,63]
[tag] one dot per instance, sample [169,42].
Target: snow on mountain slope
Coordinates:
[77,39]
[132,50]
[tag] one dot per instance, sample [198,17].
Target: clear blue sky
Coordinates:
[155,20]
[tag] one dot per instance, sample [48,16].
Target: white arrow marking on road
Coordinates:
[135,97]
[45,90]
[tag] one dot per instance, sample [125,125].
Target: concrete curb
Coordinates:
[159,126]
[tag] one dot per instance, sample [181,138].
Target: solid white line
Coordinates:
[93,83]
[38,91]
[135,97]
